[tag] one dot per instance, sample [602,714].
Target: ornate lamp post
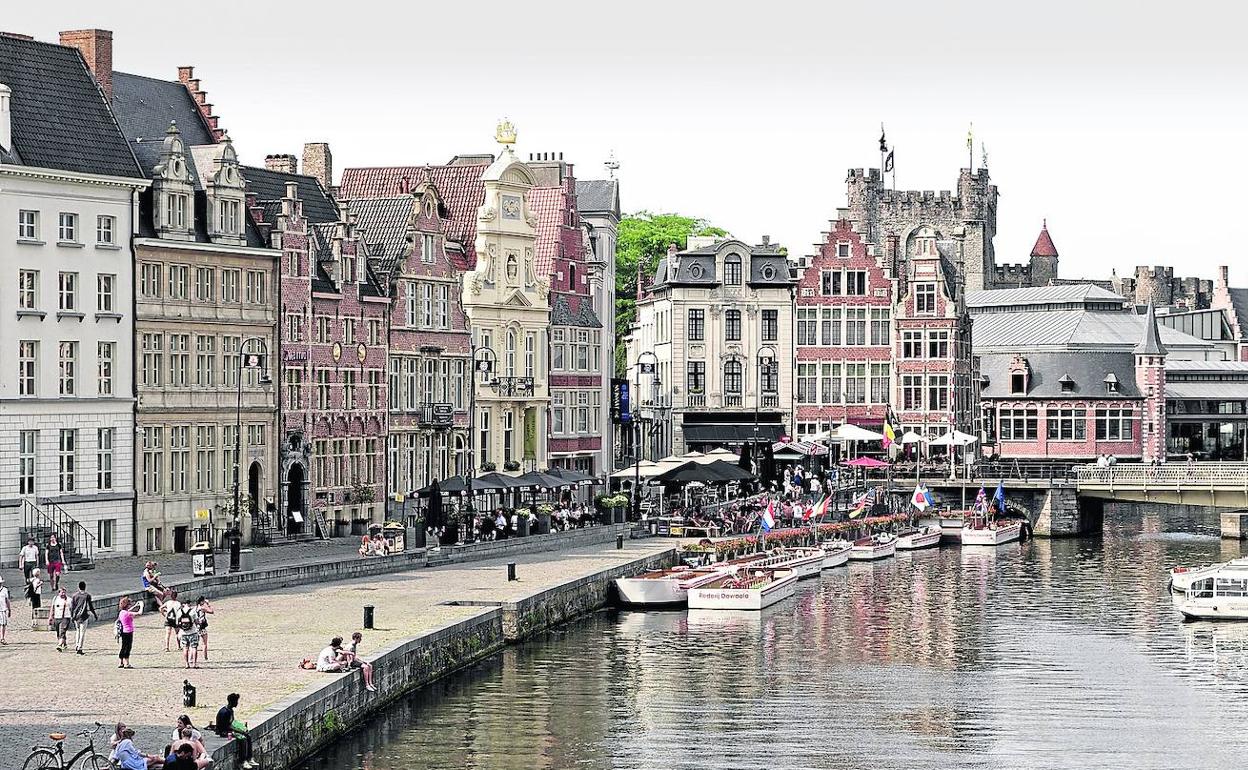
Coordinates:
[647,363]
[245,361]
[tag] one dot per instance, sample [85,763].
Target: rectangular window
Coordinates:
[229,447]
[322,389]
[925,298]
[830,383]
[412,381]
[442,312]
[105,353]
[937,343]
[557,349]
[179,279]
[229,285]
[149,279]
[937,392]
[68,368]
[153,359]
[348,331]
[855,383]
[697,325]
[105,293]
[912,392]
[28,225]
[106,230]
[732,271]
[27,367]
[205,360]
[255,434]
[179,359]
[396,379]
[106,534]
[67,449]
[28,290]
[67,231]
[205,284]
[374,388]
[1114,425]
[879,384]
[231,360]
[68,285]
[426,248]
[770,325]
[582,412]
[807,383]
[484,438]
[855,326]
[879,326]
[582,351]
[155,535]
[348,389]
[322,329]
[426,305]
[179,457]
[227,217]
[294,389]
[530,354]
[257,288]
[1067,424]
[409,303]
[509,430]
[696,377]
[27,443]
[374,332]
[557,413]
[842,250]
[205,457]
[912,343]
[104,458]
[856,282]
[1018,424]
[175,211]
[830,283]
[830,327]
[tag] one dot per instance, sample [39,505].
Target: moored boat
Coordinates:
[836,553]
[662,587]
[747,589]
[995,532]
[878,546]
[951,528]
[913,539]
[1218,595]
[1181,578]
[806,562]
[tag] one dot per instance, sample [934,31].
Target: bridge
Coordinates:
[1065,499]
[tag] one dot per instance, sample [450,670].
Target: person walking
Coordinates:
[28,558]
[169,609]
[6,610]
[127,611]
[34,591]
[202,610]
[59,618]
[54,557]
[188,635]
[81,611]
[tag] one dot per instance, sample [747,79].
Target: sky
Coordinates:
[1121,123]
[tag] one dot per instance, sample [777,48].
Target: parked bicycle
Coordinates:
[53,757]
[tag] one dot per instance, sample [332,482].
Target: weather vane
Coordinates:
[505,133]
[612,165]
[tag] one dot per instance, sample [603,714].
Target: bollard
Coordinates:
[511,571]
[368,616]
[619,542]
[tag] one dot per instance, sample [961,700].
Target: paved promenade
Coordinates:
[256,642]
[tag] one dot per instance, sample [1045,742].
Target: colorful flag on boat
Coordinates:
[769,517]
[820,509]
[999,497]
[921,499]
[862,502]
[981,501]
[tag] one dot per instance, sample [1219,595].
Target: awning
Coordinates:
[798,449]
[729,433]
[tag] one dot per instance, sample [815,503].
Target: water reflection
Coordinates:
[1044,654]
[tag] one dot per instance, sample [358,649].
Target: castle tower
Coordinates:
[1043,258]
[1150,377]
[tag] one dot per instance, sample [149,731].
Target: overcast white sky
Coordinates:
[1123,123]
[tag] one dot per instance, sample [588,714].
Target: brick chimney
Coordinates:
[318,162]
[286,164]
[96,46]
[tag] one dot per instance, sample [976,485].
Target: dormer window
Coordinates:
[1018,383]
[842,250]
[732,270]
[172,189]
[228,217]
[426,246]
[1111,383]
[1067,383]
[175,210]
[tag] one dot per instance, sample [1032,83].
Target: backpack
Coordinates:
[117,628]
[186,620]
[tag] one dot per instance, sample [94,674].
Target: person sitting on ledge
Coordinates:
[227,726]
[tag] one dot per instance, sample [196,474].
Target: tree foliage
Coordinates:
[643,239]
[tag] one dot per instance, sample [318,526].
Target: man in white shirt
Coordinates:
[58,618]
[6,609]
[28,558]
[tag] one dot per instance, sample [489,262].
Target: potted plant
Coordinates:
[511,465]
[488,466]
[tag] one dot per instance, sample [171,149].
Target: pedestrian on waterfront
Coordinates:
[28,558]
[127,611]
[227,726]
[188,635]
[59,618]
[6,610]
[151,581]
[54,557]
[353,659]
[169,609]
[330,661]
[128,756]
[202,610]
[34,591]
[500,525]
[81,611]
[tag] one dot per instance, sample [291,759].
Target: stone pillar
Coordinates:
[1058,513]
[1234,525]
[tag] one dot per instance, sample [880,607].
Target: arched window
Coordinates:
[732,270]
[511,353]
[732,377]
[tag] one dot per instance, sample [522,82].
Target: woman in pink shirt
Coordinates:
[125,622]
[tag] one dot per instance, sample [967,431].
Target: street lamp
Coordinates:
[766,360]
[245,361]
[643,367]
[483,361]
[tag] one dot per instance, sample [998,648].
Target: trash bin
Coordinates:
[202,562]
[246,560]
[395,536]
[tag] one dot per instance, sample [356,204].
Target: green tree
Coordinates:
[643,239]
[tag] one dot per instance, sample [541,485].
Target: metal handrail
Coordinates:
[75,539]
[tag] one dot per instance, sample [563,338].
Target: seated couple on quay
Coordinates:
[335,659]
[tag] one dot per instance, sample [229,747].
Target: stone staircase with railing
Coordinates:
[40,521]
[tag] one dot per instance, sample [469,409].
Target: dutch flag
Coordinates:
[769,519]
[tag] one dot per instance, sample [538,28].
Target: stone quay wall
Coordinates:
[291,729]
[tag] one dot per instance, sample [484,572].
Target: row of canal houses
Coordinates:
[188,330]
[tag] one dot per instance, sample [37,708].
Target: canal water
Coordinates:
[1037,655]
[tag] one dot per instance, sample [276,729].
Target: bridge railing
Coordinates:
[981,472]
[1180,474]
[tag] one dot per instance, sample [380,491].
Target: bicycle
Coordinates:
[53,758]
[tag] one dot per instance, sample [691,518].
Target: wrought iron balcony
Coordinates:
[513,386]
[437,415]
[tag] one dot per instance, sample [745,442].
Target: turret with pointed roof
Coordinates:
[1150,378]
[1150,345]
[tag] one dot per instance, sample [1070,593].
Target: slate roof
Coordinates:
[598,196]
[1044,244]
[144,108]
[60,119]
[1086,369]
[1070,329]
[1178,365]
[573,310]
[270,186]
[1150,345]
[383,223]
[1239,302]
[1041,295]
[459,186]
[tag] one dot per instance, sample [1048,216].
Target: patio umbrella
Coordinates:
[722,454]
[729,472]
[544,480]
[866,462]
[690,472]
[577,477]
[498,481]
[910,437]
[851,432]
[455,485]
[954,438]
[434,514]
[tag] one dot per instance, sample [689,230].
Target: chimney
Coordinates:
[284,163]
[319,162]
[96,46]
[6,124]
[766,240]
[1224,278]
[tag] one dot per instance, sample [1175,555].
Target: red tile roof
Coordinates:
[1044,244]
[460,188]
[548,205]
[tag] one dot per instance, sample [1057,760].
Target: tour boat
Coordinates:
[1181,578]
[1218,595]
[747,589]
[662,587]
[877,546]
[951,528]
[919,537]
[836,553]
[996,532]
[806,562]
